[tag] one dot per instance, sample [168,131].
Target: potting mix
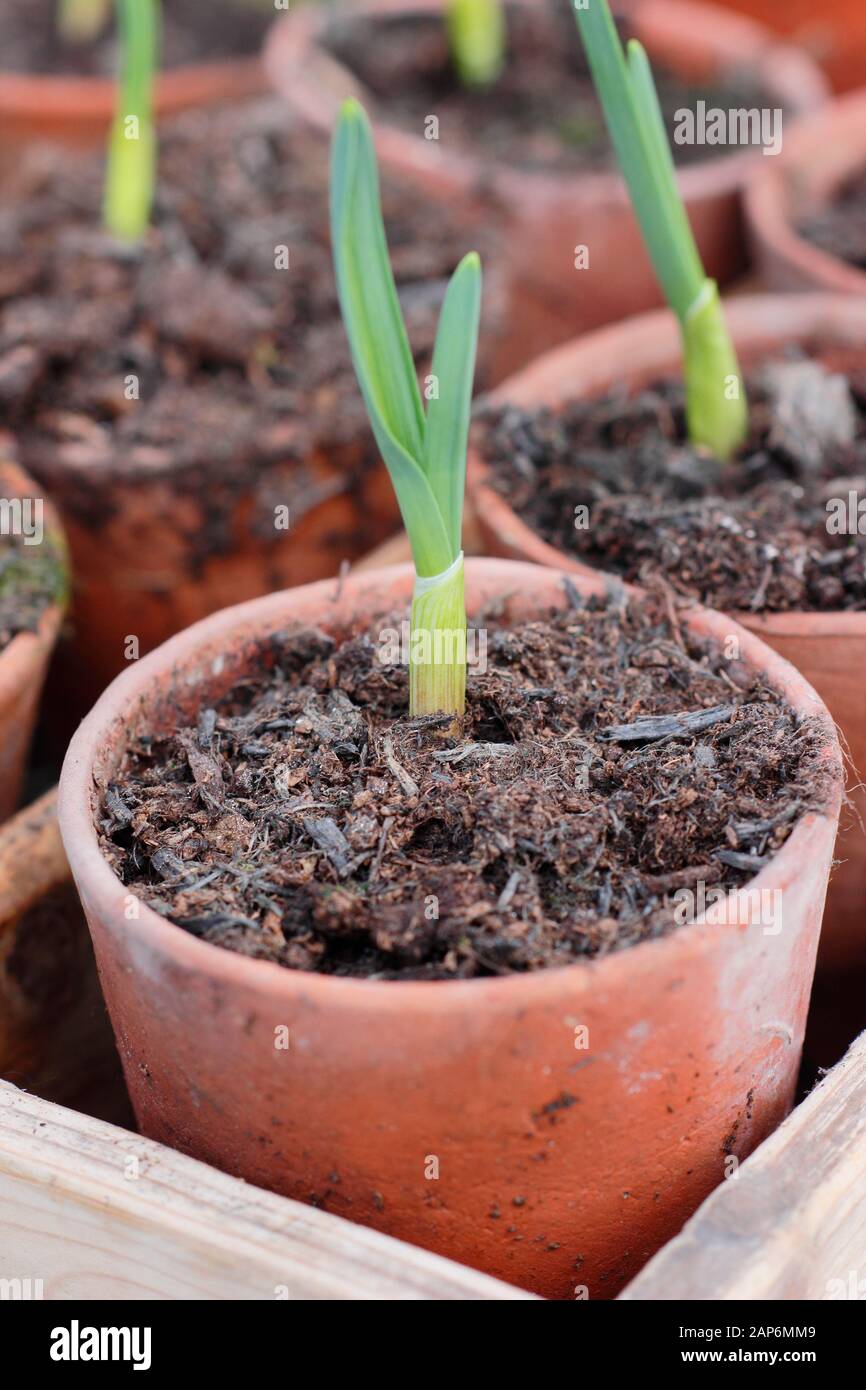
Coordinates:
[615,482]
[606,761]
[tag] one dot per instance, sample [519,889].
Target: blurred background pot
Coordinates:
[694,1038]
[58,89]
[833,33]
[825,151]
[829,649]
[24,660]
[545,216]
[152,553]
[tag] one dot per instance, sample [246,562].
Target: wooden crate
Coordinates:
[95,1211]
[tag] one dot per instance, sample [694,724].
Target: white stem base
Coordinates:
[437,656]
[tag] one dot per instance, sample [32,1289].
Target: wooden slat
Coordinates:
[97,1212]
[792,1224]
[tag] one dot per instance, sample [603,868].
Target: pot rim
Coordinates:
[836,318]
[16,658]
[769,193]
[37,96]
[157,935]
[294,62]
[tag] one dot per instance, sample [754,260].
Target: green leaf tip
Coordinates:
[131,163]
[629,99]
[351,109]
[425,453]
[81,21]
[476,33]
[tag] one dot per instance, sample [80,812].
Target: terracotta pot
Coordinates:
[544,216]
[834,32]
[557,1167]
[150,555]
[824,152]
[55,1038]
[24,661]
[77,111]
[828,648]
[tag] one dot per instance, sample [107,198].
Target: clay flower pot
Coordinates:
[75,108]
[24,660]
[824,153]
[142,568]
[55,1039]
[557,1168]
[834,33]
[829,649]
[543,216]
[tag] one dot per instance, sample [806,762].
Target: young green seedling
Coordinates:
[425,453]
[131,169]
[476,32]
[80,21]
[716,410]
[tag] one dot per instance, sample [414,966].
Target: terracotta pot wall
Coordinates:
[833,33]
[77,111]
[24,662]
[149,557]
[822,154]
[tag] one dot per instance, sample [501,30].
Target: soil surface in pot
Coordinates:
[216,350]
[193,31]
[839,228]
[541,113]
[31,580]
[614,482]
[608,759]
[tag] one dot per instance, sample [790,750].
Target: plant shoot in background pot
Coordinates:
[81,21]
[476,33]
[425,453]
[131,168]
[716,411]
